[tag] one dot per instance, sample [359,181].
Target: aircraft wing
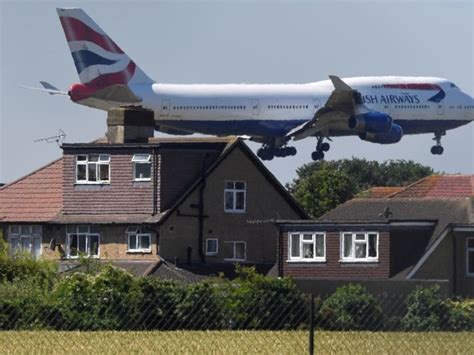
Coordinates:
[339,107]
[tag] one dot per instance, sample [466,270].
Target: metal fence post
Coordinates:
[311,325]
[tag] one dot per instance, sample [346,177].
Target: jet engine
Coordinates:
[394,135]
[371,122]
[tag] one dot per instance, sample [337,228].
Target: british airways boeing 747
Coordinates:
[377,109]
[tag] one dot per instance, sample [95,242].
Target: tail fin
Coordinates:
[100,63]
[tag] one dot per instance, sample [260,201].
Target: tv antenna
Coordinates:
[59,139]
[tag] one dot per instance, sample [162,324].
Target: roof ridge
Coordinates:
[30,174]
[417,182]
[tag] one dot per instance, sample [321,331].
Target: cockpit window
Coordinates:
[453,86]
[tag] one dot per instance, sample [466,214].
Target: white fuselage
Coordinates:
[418,104]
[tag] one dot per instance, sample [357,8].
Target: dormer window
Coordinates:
[141,167]
[93,169]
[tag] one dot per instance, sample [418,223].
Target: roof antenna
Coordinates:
[387,212]
[59,139]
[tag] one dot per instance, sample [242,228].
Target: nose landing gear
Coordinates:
[321,147]
[438,149]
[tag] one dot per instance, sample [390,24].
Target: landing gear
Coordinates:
[268,152]
[438,149]
[321,147]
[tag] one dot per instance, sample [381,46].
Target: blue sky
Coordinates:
[234,42]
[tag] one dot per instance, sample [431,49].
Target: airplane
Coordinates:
[376,109]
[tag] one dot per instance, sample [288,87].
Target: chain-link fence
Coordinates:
[114,312]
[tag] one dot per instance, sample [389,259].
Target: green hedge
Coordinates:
[112,299]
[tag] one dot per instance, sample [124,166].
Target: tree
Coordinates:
[323,189]
[320,186]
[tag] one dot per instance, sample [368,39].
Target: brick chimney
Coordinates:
[129,125]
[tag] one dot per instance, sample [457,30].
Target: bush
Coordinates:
[21,266]
[426,310]
[157,305]
[105,301]
[461,315]
[351,307]
[258,302]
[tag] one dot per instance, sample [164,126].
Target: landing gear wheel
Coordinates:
[265,153]
[325,147]
[317,155]
[437,150]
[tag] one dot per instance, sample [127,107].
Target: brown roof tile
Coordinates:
[439,186]
[36,197]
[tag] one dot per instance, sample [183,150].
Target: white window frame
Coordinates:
[352,258]
[103,159]
[233,250]
[314,235]
[211,253]
[234,192]
[30,235]
[468,249]
[139,159]
[138,233]
[78,234]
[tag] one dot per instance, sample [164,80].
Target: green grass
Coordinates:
[235,342]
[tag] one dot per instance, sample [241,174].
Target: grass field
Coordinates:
[236,342]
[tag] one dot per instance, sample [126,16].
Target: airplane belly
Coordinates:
[251,127]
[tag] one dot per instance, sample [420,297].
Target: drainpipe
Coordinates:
[155,182]
[455,274]
[201,214]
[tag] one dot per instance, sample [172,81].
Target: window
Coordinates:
[83,241]
[141,167]
[234,196]
[359,246]
[93,168]
[307,247]
[236,251]
[25,238]
[138,241]
[212,246]
[470,256]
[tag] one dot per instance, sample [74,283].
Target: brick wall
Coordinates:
[264,203]
[121,196]
[332,268]
[179,170]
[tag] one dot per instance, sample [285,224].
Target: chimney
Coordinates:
[130,125]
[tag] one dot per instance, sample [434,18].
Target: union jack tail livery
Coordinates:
[100,62]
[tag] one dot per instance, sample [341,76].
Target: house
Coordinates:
[391,240]
[145,202]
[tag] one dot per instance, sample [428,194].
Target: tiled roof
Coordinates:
[36,197]
[380,192]
[439,186]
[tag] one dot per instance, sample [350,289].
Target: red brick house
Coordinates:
[391,239]
[177,200]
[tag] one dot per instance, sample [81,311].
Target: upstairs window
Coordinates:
[25,238]
[83,241]
[235,196]
[307,247]
[359,246]
[138,240]
[93,169]
[141,167]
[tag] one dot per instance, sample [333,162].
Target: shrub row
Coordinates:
[113,299]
